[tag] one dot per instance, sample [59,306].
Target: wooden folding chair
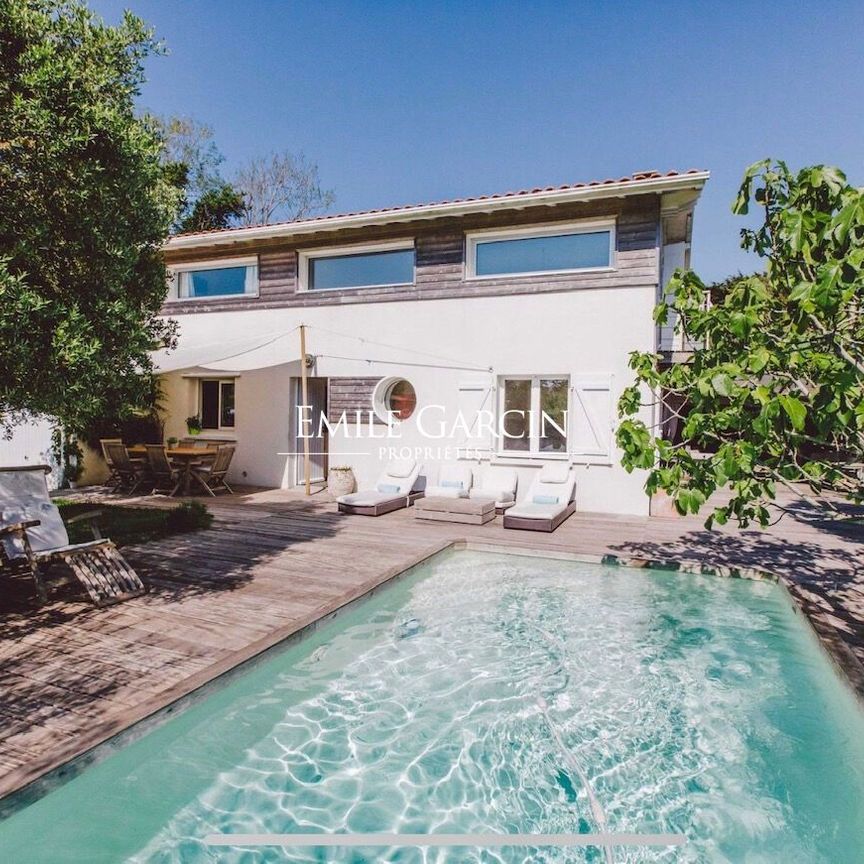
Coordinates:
[212,476]
[132,474]
[34,538]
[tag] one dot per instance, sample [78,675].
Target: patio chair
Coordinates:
[548,503]
[393,491]
[499,484]
[33,538]
[454,481]
[212,476]
[132,473]
[113,477]
[163,473]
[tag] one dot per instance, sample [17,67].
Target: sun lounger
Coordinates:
[454,481]
[548,503]
[33,537]
[499,484]
[393,491]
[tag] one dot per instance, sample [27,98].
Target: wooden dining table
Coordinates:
[184,457]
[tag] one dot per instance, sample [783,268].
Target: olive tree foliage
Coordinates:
[193,161]
[85,204]
[774,390]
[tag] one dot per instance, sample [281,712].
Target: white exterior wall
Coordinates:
[583,333]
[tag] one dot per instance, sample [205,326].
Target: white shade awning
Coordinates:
[258,352]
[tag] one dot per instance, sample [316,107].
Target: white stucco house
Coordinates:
[498,309]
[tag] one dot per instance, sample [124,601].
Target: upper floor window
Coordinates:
[224,278]
[375,266]
[542,249]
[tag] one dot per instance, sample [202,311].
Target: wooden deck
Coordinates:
[274,562]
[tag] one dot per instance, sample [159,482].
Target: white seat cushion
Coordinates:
[400,468]
[368,498]
[554,472]
[529,510]
[445,492]
[499,496]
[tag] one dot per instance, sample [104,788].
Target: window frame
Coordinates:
[533,452]
[304,256]
[175,272]
[547,229]
[220,382]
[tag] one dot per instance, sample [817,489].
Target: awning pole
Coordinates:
[304,390]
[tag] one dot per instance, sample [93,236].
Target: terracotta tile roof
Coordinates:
[635,178]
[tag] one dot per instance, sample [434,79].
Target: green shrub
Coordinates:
[189,516]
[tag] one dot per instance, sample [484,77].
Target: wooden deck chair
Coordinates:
[212,476]
[164,474]
[113,476]
[132,474]
[32,534]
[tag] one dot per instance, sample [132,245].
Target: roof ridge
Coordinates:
[635,177]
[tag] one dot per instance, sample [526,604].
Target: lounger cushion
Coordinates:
[401,468]
[50,533]
[554,472]
[530,510]
[369,498]
[500,496]
[445,492]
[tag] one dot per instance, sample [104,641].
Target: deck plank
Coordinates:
[273,562]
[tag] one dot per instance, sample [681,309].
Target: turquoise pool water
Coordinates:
[693,705]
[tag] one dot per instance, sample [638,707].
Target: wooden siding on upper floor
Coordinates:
[440,260]
[348,395]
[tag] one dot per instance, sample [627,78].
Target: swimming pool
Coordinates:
[476,696]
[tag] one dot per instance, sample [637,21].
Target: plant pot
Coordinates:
[340,481]
[73,484]
[194,431]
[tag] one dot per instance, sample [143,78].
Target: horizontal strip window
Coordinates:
[231,278]
[357,267]
[544,249]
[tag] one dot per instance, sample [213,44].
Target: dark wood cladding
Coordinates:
[347,395]
[440,259]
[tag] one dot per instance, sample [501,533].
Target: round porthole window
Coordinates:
[396,397]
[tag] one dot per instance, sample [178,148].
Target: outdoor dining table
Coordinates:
[185,458]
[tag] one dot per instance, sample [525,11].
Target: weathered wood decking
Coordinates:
[72,675]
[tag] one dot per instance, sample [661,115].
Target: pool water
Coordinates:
[693,705]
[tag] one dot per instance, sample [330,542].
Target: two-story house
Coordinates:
[458,321]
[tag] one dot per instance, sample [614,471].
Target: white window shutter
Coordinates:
[474,397]
[591,417]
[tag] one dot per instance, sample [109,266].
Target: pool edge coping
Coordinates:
[153,712]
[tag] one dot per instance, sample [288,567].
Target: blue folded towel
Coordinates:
[451,484]
[387,488]
[545,499]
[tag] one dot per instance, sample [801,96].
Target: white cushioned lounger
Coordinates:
[393,491]
[548,503]
[499,484]
[454,481]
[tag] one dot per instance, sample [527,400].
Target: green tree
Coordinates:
[218,207]
[193,162]
[774,389]
[85,205]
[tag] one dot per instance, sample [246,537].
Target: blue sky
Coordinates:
[407,102]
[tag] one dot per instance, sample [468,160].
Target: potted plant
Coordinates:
[193,425]
[172,442]
[340,480]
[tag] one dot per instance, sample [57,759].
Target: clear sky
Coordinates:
[403,103]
